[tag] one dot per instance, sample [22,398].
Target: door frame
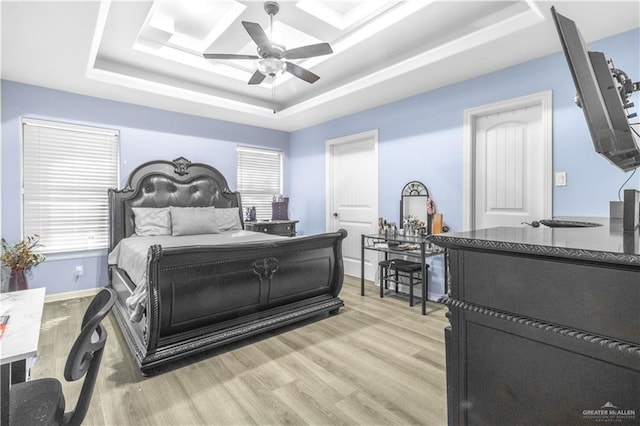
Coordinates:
[329,205]
[329,144]
[545,101]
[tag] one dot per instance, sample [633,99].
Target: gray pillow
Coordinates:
[150,221]
[193,220]
[227,219]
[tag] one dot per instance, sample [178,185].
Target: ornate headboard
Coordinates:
[161,183]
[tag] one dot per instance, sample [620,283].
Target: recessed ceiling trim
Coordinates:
[177,92]
[454,47]
[372,27]
[367,30]
[101,22]
[195,61]
[227,20]
[322,11]
[533,6]
[183,26]
[136,77]
[469,41]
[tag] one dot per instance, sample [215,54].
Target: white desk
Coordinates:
[20,340]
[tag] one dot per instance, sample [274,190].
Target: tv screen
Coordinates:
[603,93]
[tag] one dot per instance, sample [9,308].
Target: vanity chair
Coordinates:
[392,270]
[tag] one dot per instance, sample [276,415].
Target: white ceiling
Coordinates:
[149,52]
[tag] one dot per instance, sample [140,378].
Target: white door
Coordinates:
[511,173]
[352,198]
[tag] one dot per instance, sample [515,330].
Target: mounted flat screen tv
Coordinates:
[604,94]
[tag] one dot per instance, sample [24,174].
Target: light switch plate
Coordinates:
[561,179]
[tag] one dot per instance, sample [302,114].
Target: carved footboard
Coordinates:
[201,298]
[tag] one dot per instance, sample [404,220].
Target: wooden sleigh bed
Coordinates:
[194,298]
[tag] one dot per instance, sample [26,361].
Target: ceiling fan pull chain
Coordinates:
[273,93]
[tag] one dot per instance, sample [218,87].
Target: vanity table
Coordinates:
[544,325]
[417,247]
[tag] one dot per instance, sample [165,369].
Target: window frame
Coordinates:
[261,212]
[75,252]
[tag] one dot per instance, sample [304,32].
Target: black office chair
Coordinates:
[41,401]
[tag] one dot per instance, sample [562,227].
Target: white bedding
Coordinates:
[130,255]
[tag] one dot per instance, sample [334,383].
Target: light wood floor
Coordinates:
[377,362]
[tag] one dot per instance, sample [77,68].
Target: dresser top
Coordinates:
[606,243]
[269,222]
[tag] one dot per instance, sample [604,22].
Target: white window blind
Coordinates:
[259,178]
[66,172]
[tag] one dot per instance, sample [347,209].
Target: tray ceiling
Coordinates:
[150,52]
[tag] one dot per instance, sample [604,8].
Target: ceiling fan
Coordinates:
[272,57]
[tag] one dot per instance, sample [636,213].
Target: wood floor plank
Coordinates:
[363,410]
[269,407]
[305,369]
[312,405]
[378,361]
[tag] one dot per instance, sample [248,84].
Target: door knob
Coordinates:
[335,214]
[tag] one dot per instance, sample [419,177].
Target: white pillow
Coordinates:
[150,221]
[227,219]
[193,220]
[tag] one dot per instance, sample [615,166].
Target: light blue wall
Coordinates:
[421,138]
[145,134]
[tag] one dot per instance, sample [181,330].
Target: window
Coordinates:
[259,178]
[66,172]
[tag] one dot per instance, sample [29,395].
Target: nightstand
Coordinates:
[285,228]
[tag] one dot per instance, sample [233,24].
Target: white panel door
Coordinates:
[353,196]
[509,166]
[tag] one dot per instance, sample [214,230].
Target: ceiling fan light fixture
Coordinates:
[271,66]
[274,58]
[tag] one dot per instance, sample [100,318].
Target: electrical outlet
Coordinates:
[79,270]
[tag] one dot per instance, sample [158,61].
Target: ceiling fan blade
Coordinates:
[257,77]
[228,56]
[301,73]
[258,35]
[308,51]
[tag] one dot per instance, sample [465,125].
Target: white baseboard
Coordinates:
[71,295]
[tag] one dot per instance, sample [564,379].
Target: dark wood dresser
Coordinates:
[285,228]
[544,326]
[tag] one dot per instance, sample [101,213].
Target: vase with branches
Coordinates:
[19,258]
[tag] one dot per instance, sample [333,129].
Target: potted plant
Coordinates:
[19,258]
